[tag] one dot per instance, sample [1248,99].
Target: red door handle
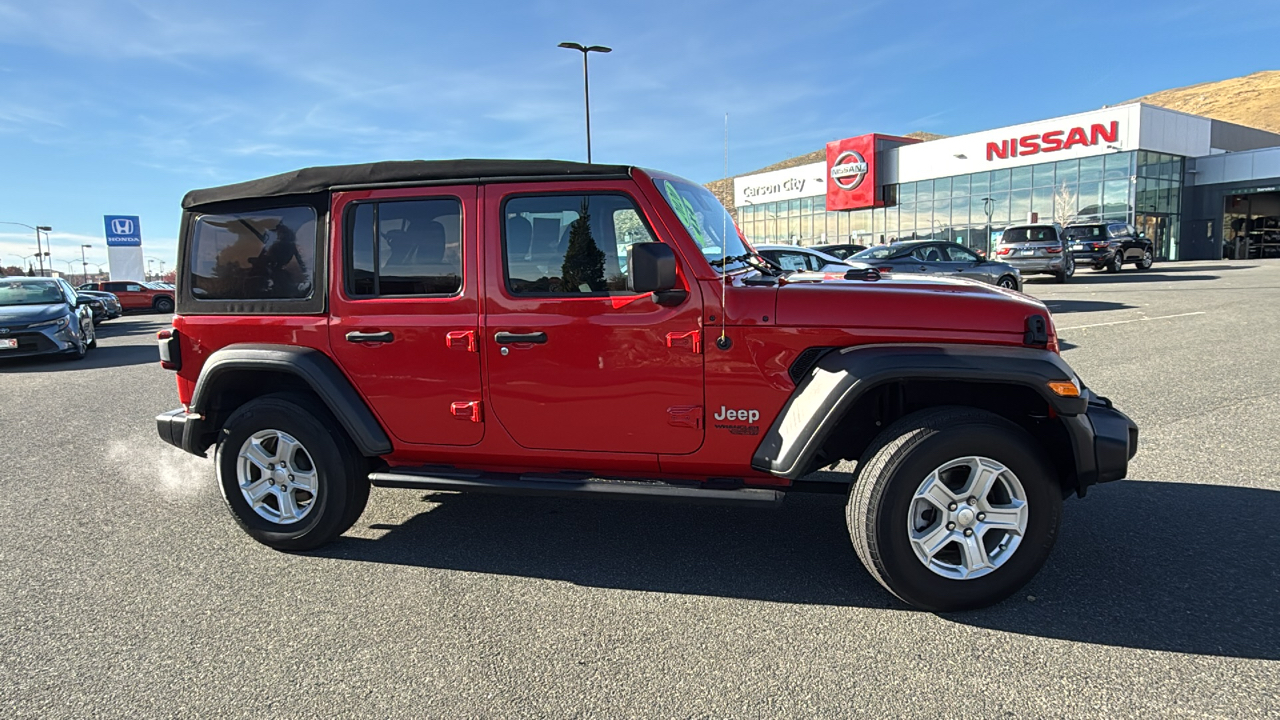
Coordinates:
[692,339]
[461,338]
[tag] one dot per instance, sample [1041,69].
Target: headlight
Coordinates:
[60,322]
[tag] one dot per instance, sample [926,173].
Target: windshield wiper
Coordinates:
[750,259]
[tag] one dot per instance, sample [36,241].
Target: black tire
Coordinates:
[1116,263]
[1147,260]
[342,488]
[895,465]
[163,305]
[93,331]
[1008,282]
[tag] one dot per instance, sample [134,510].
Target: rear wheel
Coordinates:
[163,305]
[953,509]
[1117,261]
[1068,269]
[290,475]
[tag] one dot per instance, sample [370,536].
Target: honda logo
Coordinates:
[121,226]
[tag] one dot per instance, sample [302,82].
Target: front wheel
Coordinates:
[1008,282]
[290,475]
[163,305]
[1146,261]
[953,509]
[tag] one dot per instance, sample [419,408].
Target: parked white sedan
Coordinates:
[802,259]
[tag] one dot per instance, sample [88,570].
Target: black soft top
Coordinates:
[320,179]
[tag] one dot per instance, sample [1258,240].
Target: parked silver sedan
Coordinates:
[938,257]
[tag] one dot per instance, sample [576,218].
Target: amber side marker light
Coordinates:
[1064,388]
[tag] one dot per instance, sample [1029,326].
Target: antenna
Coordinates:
[723,341]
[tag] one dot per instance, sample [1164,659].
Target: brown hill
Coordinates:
[1252,100]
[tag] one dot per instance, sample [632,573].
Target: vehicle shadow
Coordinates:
[1062,307]
[99,357]
[1160,566]
[126,326]
[1138,276]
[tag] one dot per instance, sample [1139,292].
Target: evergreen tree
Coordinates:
[583,260]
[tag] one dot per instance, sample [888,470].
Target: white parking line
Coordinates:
[1122,322]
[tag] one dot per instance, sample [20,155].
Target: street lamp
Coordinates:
[40,252]
[152,257]
[586,85]
[84,265]
[70,265]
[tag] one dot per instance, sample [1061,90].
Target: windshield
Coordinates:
[879,252]
[26,292]
[708,223]
[1084,231]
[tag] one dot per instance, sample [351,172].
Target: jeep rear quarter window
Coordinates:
[418,252]
[258,255]
[570,244]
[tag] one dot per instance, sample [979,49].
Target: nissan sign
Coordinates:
[849,169]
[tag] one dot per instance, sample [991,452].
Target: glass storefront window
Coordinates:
[999,208]
[1117,166]
[960,186]
[1115,197]
[924,217]
[924,190]
[980,184]
[1021,178]
[906,193]
[1067,171]
[999,181]
[1090,169]
[1019,205]
[1042,175]
[794,209]
[941,188]
[806,205]
[1042,203]
[907,217]
[1089,201]
[941,210]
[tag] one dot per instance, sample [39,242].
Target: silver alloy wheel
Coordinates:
[967,518]
[1146,260]
[1007,282]
[1069,267]
[277,477]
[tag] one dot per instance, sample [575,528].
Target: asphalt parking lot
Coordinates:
[127,590]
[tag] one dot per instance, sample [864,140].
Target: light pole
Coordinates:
[84,265]
[70,266]
[586,85]
[988,205]
[149,260]
[158,260]
[40,253]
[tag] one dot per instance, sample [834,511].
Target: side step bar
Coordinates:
[555,486]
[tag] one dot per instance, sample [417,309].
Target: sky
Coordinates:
[122,107]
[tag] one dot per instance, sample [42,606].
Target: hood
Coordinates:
[917,302]
[11,315]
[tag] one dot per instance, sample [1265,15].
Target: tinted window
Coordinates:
[1078,232]
[958,253]
[1028,234]
[115,286]
[266,254]
[570,244]
[405,247]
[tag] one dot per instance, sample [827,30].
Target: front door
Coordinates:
[574,361]
[405,306]
[1155,226]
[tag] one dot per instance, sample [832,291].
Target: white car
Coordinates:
[794,258]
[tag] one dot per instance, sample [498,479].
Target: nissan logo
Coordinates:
[121,226]
[848,170]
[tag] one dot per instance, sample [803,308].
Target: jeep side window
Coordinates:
[254,255]
[570,244]
[418,248]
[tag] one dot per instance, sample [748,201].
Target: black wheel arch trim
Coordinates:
[840,378]
[313,367]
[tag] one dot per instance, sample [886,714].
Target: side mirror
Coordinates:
[82,301]
[651,268]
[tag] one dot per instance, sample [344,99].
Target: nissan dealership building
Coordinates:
[1200,188]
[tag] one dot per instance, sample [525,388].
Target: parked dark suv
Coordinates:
[557,328]
[1109,245]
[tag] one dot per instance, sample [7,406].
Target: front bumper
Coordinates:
[1104,441]
[39,341]
[183,431]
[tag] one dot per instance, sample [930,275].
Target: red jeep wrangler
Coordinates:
[550,327]
[135,295]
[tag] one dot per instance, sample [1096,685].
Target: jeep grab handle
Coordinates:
[378,337]
[506,338]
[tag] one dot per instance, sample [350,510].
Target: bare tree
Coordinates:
[1064,204]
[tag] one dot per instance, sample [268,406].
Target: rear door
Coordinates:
[131,294]
[574,360]
[405,304]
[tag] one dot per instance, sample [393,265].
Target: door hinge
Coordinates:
[689,416]
[691,339]
[467,410]
[465,339]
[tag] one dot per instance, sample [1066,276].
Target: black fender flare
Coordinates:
[313,367]
[842,376]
